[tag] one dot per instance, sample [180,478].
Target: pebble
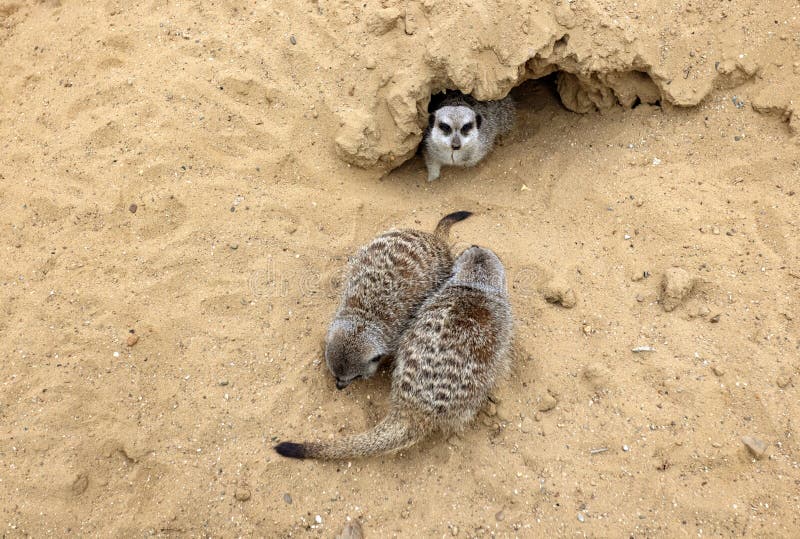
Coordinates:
[500,516]
[234,246]
[318,519]
[351,530]
[626,448]
[132,339]
[640,349]
[224,383]
[559,292]
[718,371]
[756,446]
[80,484]
[676,285]
[527,425]
[287,498]
[293,40]
[547,402]
[242,494]
[715,319]
[581,518]
[132,208]
[454,530]
[784,378]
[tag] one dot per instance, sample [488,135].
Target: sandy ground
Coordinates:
[175,215]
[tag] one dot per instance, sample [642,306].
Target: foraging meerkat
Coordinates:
[448,361]
[461,131]
[386,281]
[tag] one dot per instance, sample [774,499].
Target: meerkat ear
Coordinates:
[478,120]
[431,119]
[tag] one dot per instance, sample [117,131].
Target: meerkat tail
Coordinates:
[390,435]
[443,228]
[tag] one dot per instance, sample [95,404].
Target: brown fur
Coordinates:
[387,280]
[448,361]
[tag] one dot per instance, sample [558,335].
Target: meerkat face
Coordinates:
[455,130]
[353,350]
[481,267]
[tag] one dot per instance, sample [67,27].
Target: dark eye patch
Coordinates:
[467,127]
[376,359]
[446,129]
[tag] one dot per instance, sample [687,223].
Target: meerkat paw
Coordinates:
[433,173]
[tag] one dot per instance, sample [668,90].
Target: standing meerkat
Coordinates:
[386,282]
[462,130]
[448,361]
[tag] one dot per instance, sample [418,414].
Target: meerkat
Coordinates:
[386,282]
[461,131]
[450,358]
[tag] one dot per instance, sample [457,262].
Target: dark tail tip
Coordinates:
[456,216]
[291,450]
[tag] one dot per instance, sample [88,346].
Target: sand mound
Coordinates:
[601,62]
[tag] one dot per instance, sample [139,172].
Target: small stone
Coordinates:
[224,383]
[784,378]
[293,40]
[242,494]
[676,285]
[234,246]
[132,339]
[558,291]
[132,208]
[581,518]
[351,530]
[626,448]
[527,425]
[547,403]
[756,446]
[454,531]
[287,498]
[717,370]
[500,516]
[318,519]
[715,319]
[80,484]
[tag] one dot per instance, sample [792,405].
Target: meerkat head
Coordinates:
[353,349]
[480,268]
[456,128]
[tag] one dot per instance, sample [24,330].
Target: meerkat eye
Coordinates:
[466,128]
[376,359]
[446,129]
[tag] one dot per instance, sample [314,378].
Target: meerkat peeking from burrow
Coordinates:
[452,355]
[386,281]
[462,130]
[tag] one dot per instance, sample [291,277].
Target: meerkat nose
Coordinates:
[456,145]
[341,384]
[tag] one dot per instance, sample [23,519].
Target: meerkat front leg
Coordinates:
[434,167]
